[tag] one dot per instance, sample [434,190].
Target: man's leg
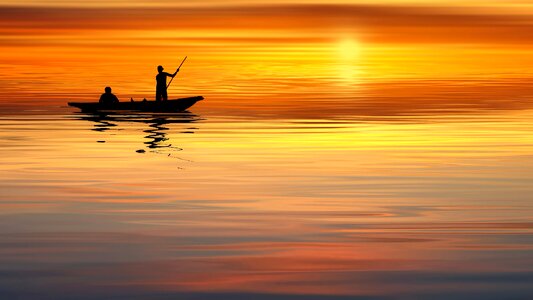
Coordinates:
[165,96]
[157,95]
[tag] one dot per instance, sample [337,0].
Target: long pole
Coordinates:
[178,70]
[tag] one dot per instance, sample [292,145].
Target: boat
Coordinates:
[175,105]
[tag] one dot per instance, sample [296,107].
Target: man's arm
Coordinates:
[177,70]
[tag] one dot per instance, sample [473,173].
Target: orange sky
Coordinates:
[177,3]
[373,23]
[243,50]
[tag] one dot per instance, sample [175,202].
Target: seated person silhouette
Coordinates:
[161,87]
[107,97]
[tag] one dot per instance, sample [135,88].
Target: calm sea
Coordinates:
[428,197]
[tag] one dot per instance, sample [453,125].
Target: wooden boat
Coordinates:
[175,105]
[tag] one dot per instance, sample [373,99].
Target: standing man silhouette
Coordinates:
[161,88]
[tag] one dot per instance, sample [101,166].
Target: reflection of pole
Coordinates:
[178,70]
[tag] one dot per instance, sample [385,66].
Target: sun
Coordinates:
[347,62]
[348,49]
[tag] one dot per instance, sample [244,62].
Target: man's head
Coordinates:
[107,89]
[160,68]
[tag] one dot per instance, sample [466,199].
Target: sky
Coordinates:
[144,3]
[246,50]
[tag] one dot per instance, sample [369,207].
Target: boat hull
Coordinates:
[175,105]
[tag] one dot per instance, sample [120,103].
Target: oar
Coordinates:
[176,74]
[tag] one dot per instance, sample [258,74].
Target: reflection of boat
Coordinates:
[156,137]
[148,106]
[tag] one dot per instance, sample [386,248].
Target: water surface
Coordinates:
[203,206]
